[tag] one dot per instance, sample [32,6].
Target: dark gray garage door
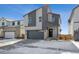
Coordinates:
[76,35]
[35,34]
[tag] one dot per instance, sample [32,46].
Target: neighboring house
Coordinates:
[42,24]
[73,23]
[10,28]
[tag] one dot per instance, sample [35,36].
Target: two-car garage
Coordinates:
[31,34]
[35,34]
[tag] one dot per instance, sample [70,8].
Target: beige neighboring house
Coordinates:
[73,23]
[41,23]
[10,28]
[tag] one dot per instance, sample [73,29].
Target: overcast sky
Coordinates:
[17,12]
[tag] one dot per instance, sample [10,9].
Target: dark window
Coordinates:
[13,23]
[18,22]
[40,19]
[3,23]
[31,22]
[53,19]
[32,19]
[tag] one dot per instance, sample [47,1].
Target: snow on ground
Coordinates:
[76,43]
[8,42]
[26,50]
[40,47]
[55,44]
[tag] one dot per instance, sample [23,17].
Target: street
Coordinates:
[32,46]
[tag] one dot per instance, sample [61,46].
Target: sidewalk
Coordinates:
[6,42]
[76,43]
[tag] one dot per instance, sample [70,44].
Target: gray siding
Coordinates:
[32,16]
[76,30]
[76,35]
[57,19]
[54,23]
[45,17]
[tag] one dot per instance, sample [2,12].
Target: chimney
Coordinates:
[46,5]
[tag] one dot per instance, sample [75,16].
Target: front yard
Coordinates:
[31,46]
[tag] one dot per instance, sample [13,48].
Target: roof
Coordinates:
[36,9]
[9,19]
[54,14]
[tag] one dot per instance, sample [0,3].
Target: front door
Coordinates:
[50,32]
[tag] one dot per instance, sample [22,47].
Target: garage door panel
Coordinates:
[9,35]
[35,35]
[76,35]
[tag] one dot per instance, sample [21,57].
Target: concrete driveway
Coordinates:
[40,47]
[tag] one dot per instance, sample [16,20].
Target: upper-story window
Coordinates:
[3,23]
[53,19]
[31,22]
[50,18]
[18,22]
[40,19]
[13,23]
[32,18]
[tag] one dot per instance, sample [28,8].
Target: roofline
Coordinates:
[54,13]
[33,10]
[72,13]
[9,18]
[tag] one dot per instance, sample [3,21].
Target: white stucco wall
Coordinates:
[55,32]
[45,34]
[76,14]
[8,22]
[75,18]
[59,28]
[71,28]
[26,21]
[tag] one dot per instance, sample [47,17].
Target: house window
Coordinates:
[3,23]
[18,22]
[13,23]
[53,19]
[40,19]
[31,22]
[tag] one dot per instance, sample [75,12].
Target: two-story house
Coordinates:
[73,23]
[41,23]
[10,28]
